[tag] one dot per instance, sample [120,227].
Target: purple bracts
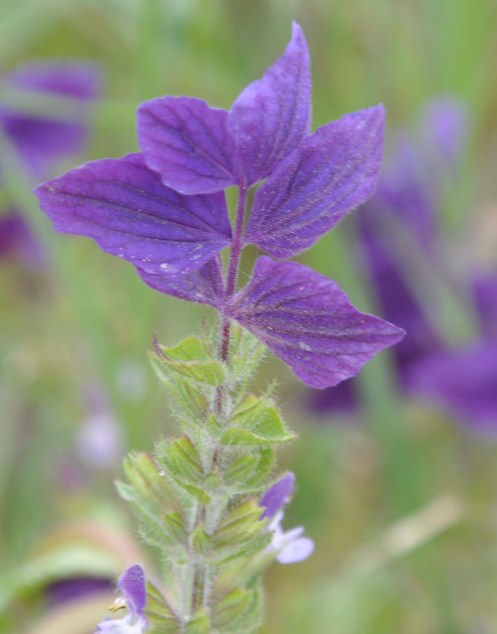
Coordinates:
[163,210]
[308,321]
[198,149]
[125,208]
[332,172]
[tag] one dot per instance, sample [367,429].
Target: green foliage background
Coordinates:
[87,317]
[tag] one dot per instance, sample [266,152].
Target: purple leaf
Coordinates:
[187,143]
[334,171]
[41,141]
[272,115]
[204,286]
[125,208]
[306,320]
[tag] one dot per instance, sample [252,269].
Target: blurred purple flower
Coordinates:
[99,440]
[70,589]
[290,547]
[41,141]
[18,241]
[463,381]
[164,211]
[408,199]
[132,587]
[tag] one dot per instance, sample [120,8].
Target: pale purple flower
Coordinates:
[132,587]
[290,546]
[99,440]
[164,211]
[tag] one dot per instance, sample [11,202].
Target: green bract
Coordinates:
[197,496]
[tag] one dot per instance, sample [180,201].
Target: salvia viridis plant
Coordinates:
[209,500]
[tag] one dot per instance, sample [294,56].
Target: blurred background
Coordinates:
[397,470]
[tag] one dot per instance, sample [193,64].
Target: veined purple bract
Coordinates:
[163,210]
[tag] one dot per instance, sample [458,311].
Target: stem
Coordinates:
[231,280]
[200,588]
[233,269]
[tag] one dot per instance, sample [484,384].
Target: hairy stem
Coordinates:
[233,269]
[209,515]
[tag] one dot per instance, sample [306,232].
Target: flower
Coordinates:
[164,210]
[73,588]
[41,141]
[462,379]
[17,239]
[132,586]
[290,547]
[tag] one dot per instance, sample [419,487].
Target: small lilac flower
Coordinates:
[290,547]
[277,496]
[99,440]
[132,586]
[164,211]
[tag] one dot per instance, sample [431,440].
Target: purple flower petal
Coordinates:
[204,286]
[484,288]
[64,590]
[290,547]
[307,320]
[463,382]
[41,141]
[444,125]
[342,398]
[277,496]
[187,143]
[272,115]
[125,208]
[334,170]
[132,585]
[296,550]
[395,295]
[17,239]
